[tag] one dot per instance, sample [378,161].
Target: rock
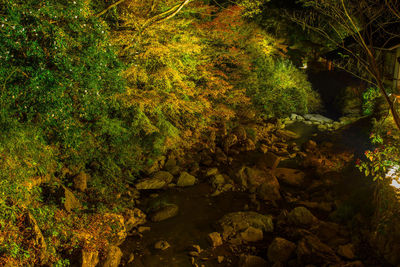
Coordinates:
[252,234]
[240,133]
[220,156]
[170,164]
[150,184]
[288,135]
[301,216]
[142,229]
[220,259]
[249,145]
[165,212]
[354,264]
[113,257]
[39,240]
[291,177]
[80,181]
[269,190]
[70,201]
[212,171]
[317,118]
[323,206]
[89,258]
[251,261]
[229,141]
[163,176]
[134,218]
[310,250]
[119,230]
[162,245]
[215,239]
[268,161]
[280,250]
[158,163]
[217,180]
[347,251]
[131,258]
[233,224]
[185,179]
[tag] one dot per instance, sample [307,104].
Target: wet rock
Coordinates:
[347,251]
[70,201]
[252,234]
[233,224]
[251,261]
[300,216]
[89,258]
[280,250]
[165,212]
[215,239]
[113,257]
[134,218]
[170,164]
[310,250]
[185,179]
[162,245]
[80,181]
[291,177]
[217,180]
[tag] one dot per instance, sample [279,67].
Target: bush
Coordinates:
[280,89]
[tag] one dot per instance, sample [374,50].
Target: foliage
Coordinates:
[369,99]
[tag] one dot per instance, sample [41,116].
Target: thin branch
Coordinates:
[108,8]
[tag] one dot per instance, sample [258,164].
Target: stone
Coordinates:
[323,206]
[113,257]
[249,145]
[163,176]
[80,181]
[240,133]
[70,200]
[170,164]
[300,216]
[215,239]
[39,240]
[269,190]
[251,261]
[289,135]
[212,172]
[185,179]
[134,218]
[220,259]
[150,184]
[119,230]
[347,251]
[252,234]
[310,250]
[229,141]
[268,161]
[217,180]
[291,177]
[165,212]
[233,224]
[162,245]
[89,258]
[354,264]
[280,250]
[317,118]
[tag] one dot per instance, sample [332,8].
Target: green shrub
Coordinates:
[280,88]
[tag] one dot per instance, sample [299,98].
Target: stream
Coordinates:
[199,211]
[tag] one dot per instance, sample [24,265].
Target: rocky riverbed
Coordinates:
[256,196]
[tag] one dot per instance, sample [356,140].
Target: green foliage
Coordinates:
[282,89]
[369,98]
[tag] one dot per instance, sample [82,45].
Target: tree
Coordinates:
[362,30]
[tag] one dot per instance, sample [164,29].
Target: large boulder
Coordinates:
[291,177]
[80,181]
[164,176]
[150,184]
[280,250]
[234,227]
[317,118]
[89,258]
[70,200]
